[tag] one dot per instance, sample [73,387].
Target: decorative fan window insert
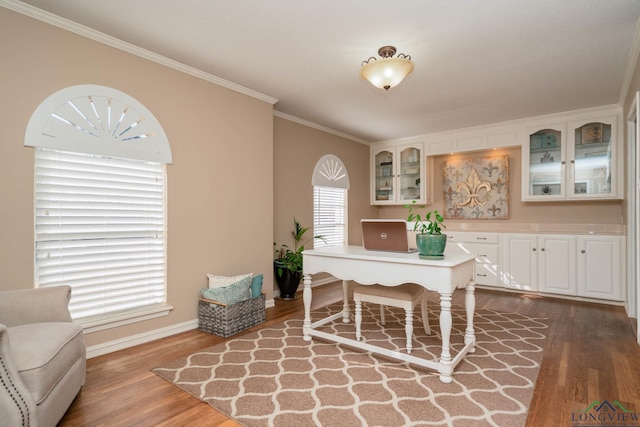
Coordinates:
[330,185]
[100,204]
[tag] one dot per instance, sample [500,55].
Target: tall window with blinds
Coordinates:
[330,182]
[100,227]
[329,215]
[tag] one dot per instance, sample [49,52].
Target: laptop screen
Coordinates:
[385,235]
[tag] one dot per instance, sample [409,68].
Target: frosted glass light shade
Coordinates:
[386,73]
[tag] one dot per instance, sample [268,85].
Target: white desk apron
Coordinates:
[392,269]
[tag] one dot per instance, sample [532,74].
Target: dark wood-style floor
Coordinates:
[590,354]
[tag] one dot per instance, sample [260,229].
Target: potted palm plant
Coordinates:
[288,262]
[430,240]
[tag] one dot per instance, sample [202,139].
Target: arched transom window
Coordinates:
[330,184]
[100,203]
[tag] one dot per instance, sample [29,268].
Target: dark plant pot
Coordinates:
[431,246]
[288,281]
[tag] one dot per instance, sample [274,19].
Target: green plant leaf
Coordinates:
[292,258]
[430,223]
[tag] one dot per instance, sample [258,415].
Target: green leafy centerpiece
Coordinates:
[430,240]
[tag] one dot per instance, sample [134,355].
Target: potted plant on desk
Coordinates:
[288,262]
[430,240]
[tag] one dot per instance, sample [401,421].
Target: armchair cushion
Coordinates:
[42,356]
[44,352]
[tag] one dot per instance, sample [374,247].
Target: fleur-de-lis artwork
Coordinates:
[454,212]
[450,193]
[499,185]
[494,210]
[470,191]
[476,188]
[490,169]
[476,212]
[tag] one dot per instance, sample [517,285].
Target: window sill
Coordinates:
[102,323]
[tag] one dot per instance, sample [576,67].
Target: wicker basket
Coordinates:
[227,320]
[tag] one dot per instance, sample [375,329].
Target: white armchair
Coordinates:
[42,356]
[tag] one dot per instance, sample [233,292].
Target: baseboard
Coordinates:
[143,338]
[550,295]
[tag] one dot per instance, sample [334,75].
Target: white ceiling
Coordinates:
[477,62]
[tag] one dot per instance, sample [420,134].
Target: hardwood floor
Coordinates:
[590,354]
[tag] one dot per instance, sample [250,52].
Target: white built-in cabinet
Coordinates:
[572,265]
[572,156]
[545,263]
[398,173]
[486,247]
[572,160]
[565,157]
[520,261]
[600,266]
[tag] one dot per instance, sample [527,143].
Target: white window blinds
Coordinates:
[100,228]
[329,215]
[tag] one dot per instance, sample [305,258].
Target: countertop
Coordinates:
[536,228]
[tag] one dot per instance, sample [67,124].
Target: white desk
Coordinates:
[392,269]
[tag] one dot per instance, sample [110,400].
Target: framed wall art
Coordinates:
[476,188]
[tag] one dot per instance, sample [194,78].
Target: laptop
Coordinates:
[385,235]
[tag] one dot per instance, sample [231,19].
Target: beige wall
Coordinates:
[297,149]
[220,190]
[229,154]
[591,212]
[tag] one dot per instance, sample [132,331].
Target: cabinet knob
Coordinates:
[572,161]
[563,162]
[542,249]
[582,251]
[534,249]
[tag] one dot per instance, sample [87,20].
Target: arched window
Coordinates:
[330,184]
[100,203]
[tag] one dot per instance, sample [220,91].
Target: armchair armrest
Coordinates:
[17,407]
[24,306]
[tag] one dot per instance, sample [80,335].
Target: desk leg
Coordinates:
[446,367]
[345,304]
[306,298]
[470,305]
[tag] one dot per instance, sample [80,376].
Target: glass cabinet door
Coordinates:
[546,164]
[384,171]
[410,170]
[591,161]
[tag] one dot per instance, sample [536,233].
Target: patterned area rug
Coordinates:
[272,377]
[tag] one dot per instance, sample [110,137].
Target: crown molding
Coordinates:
[313,125]
[108,40]
[90,33]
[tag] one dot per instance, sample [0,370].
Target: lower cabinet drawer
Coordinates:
[487,263]
[487,260]
[471,237]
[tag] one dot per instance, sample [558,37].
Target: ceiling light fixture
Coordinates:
[387,72]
